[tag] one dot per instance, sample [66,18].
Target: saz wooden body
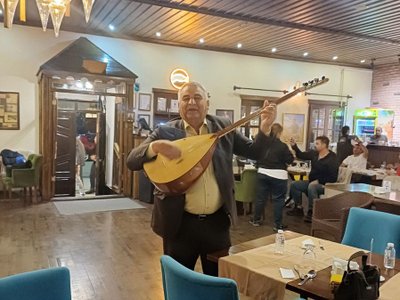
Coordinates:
[174,177]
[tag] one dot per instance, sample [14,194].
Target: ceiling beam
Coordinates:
[264,21]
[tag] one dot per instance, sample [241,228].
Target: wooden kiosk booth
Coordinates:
[85,95]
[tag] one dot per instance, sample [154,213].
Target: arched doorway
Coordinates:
[85,97]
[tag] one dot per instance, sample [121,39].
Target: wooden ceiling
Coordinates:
[353,31]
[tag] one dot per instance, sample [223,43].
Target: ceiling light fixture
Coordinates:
[57,9]
[201,40]
[362,61]
[111,27]
[1,12]
[273,50]
[305,54]
[335,57]
[239,45]
[158,34]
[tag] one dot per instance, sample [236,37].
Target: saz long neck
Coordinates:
[255,114]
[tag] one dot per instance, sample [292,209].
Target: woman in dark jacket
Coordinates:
[272,178]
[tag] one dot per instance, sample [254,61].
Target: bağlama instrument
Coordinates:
[174,177]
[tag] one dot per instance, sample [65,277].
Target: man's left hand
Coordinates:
[268,116]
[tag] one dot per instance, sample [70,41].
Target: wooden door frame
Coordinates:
[48,123]
[317,102]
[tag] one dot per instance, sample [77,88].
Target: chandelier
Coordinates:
[56,9]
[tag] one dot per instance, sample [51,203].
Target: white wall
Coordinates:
[24,49]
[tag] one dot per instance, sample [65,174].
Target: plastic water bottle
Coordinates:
[389,259]
[279,242]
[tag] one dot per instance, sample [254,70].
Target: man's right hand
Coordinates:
[292,142]
[166,148]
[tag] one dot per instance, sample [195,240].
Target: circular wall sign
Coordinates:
[178,78]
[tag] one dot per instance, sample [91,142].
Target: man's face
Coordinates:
[193,105]
[357,150]
[319,146]
[378,131]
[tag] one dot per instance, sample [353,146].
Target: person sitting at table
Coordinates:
[324,168]
[272,178]
[344,146]
[378,137]
[357,161]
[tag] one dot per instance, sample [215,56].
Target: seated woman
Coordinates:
[272,178]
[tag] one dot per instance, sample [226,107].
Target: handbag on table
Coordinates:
[362,284]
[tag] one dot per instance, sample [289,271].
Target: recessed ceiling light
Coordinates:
[305,54]
[362,61]
[158,34]
[335,57]
[201,40]
[273,50]
[111,27]
[239,45]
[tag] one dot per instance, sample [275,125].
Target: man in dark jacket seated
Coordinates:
[324,168]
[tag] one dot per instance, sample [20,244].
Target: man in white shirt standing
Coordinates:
[357,161]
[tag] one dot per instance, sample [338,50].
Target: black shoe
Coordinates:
[308,217]
[255,223]
[280,227]
[297,211]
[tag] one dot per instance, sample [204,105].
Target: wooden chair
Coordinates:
[391,207]
[330,214]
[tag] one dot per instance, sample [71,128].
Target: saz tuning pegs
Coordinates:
[313,82]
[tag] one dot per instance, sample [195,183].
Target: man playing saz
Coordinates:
[197,222]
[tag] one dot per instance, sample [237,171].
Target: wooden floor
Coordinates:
[111,255]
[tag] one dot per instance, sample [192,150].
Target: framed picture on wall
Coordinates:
[174,107]
[9,111]
[144,101]
[293,127]
[227,113]
[161,104]
[146,117]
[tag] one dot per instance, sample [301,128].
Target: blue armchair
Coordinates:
[47,284]
[365,224]
[180,283]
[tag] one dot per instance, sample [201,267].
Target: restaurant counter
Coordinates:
[378,154]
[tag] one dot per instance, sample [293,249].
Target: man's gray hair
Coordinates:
[193,83]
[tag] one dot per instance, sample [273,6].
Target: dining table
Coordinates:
[255,267]
[392,197]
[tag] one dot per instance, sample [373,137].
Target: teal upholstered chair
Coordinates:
[180,283]
[364,224]
[246,188]
[26,178]
[47,284]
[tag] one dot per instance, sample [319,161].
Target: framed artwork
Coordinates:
[161,104]
[146,117]
[227,113]
[144,101]
[174,106]
[293,127]
[9,111]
